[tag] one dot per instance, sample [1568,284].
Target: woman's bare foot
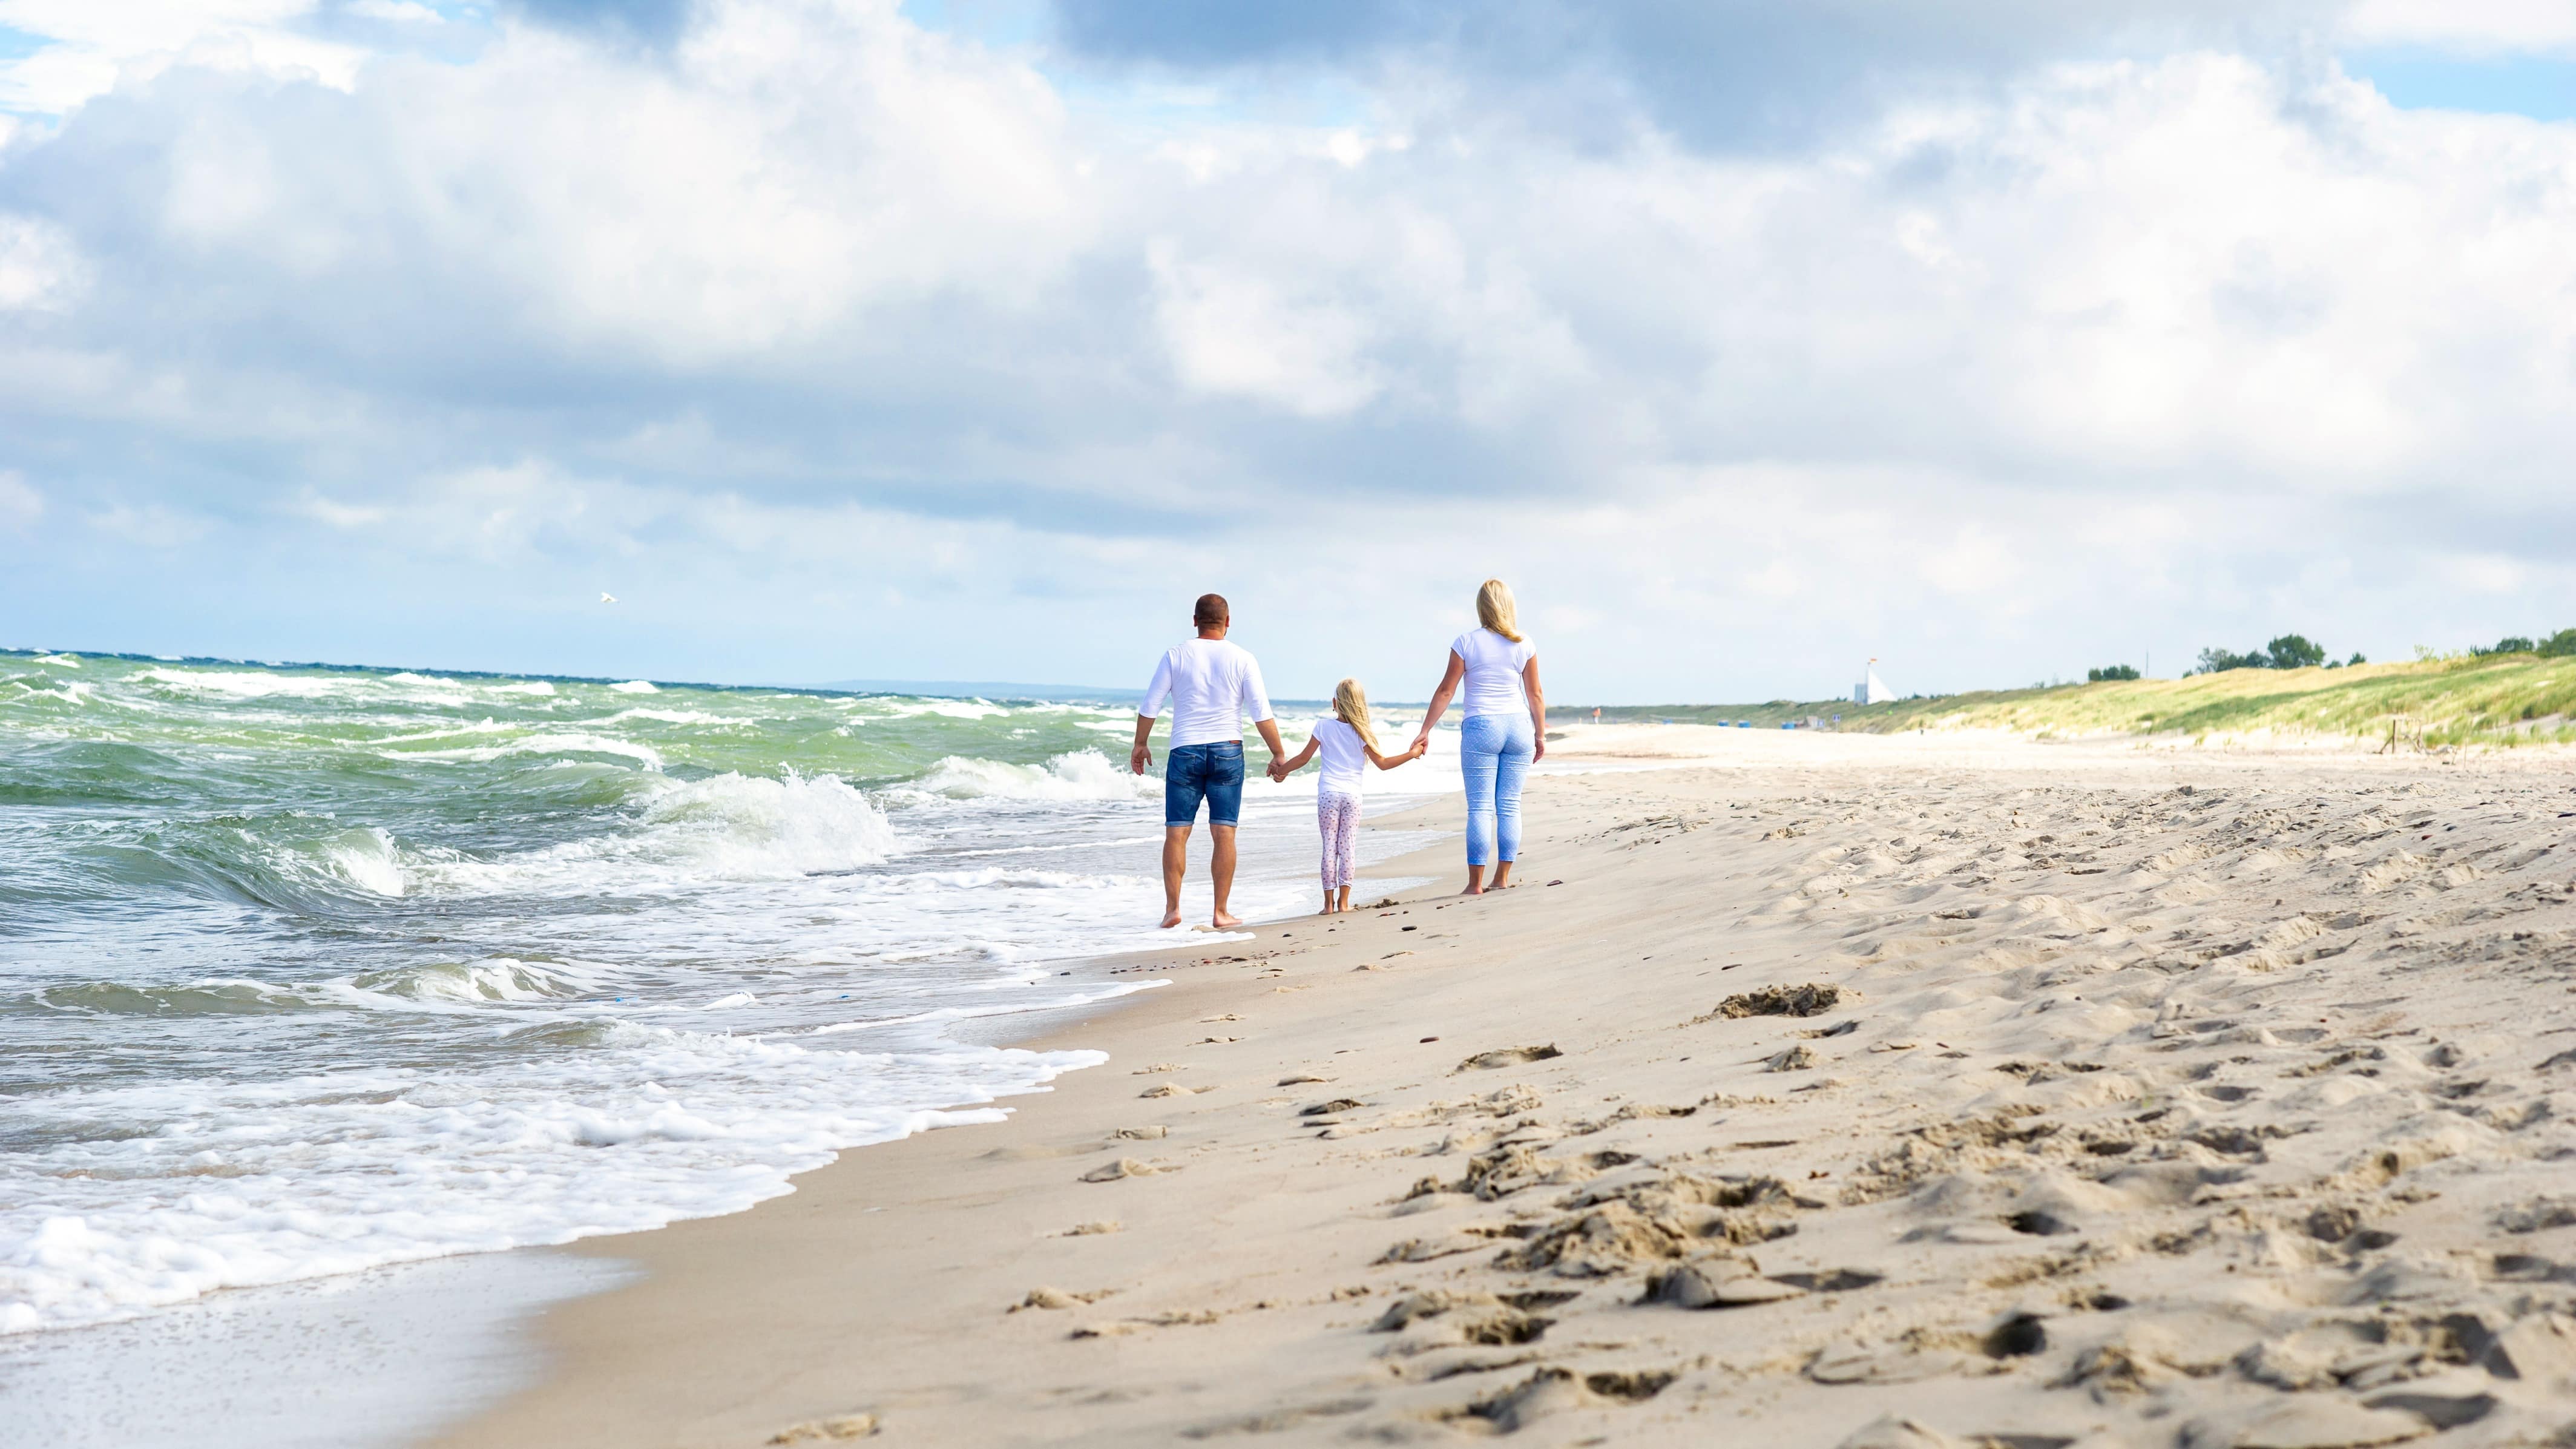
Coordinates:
[1502,877]
[1224,921]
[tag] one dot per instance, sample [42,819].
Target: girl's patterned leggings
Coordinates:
[1338,816]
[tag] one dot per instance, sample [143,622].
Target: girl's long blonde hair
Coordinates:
[1494,610]
[1350,706]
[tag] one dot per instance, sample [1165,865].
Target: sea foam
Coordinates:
[275,1181]
[1078,775]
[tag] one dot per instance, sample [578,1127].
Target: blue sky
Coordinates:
[971,339]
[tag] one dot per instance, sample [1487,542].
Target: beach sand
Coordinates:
[1847,1090]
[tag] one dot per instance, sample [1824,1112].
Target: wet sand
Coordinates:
[1846,1091]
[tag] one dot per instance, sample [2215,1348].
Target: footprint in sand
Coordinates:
[1553,1390]
[1057,1298]
[1508,1057]
[1809,999]
[1173,1089]
[1125,1167]
[828,1431]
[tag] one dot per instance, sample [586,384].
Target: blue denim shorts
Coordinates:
[1213,773]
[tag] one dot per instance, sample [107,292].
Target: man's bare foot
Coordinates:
[1224,921]
[1171,918]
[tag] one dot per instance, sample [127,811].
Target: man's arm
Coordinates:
[1157,690]
[1256,703]
[1141,758]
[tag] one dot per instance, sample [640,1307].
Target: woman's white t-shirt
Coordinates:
[1493,672]
[1337,747]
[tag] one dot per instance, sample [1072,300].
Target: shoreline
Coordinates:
[570,1340]
[1525,1113]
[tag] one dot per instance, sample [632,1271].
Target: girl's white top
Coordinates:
[1493,673]
[1338,749]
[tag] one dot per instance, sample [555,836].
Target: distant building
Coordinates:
[1872,689]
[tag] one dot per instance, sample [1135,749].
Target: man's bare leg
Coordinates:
[1221,865]
[1176,858]
[1475,881]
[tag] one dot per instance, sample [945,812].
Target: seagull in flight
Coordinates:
[607,598]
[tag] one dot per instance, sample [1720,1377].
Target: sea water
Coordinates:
[308,971]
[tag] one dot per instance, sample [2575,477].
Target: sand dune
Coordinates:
[1845,1092]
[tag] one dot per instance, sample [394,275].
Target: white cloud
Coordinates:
[90,47]
[150,525]
[335,514]
[2476,26]
[407,12]
[40,268]
[815,303]
[1236,334]
[20,504]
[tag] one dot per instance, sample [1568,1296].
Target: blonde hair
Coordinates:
[1350,706]
[1494,609]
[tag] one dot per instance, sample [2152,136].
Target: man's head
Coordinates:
[1211,615]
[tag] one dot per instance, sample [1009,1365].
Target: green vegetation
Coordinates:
[2289,651]
[2483,698]
[2112,672]
[2556,646]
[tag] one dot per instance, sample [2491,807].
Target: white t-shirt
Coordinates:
[1493,673]
[1339,751]
[1212,685]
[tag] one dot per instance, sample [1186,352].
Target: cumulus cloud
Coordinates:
[2146,313]
[40,268]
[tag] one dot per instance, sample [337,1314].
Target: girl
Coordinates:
[1342,740]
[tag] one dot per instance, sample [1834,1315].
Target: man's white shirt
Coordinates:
[1213,686]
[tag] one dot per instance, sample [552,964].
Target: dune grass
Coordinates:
[2497,699]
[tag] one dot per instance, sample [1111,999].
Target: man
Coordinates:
[1212,685]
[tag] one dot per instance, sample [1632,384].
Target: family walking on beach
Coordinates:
[1212,686]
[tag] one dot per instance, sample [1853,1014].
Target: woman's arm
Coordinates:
[1440,696]
[1538,710]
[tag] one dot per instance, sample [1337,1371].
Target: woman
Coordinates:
[1504,734]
